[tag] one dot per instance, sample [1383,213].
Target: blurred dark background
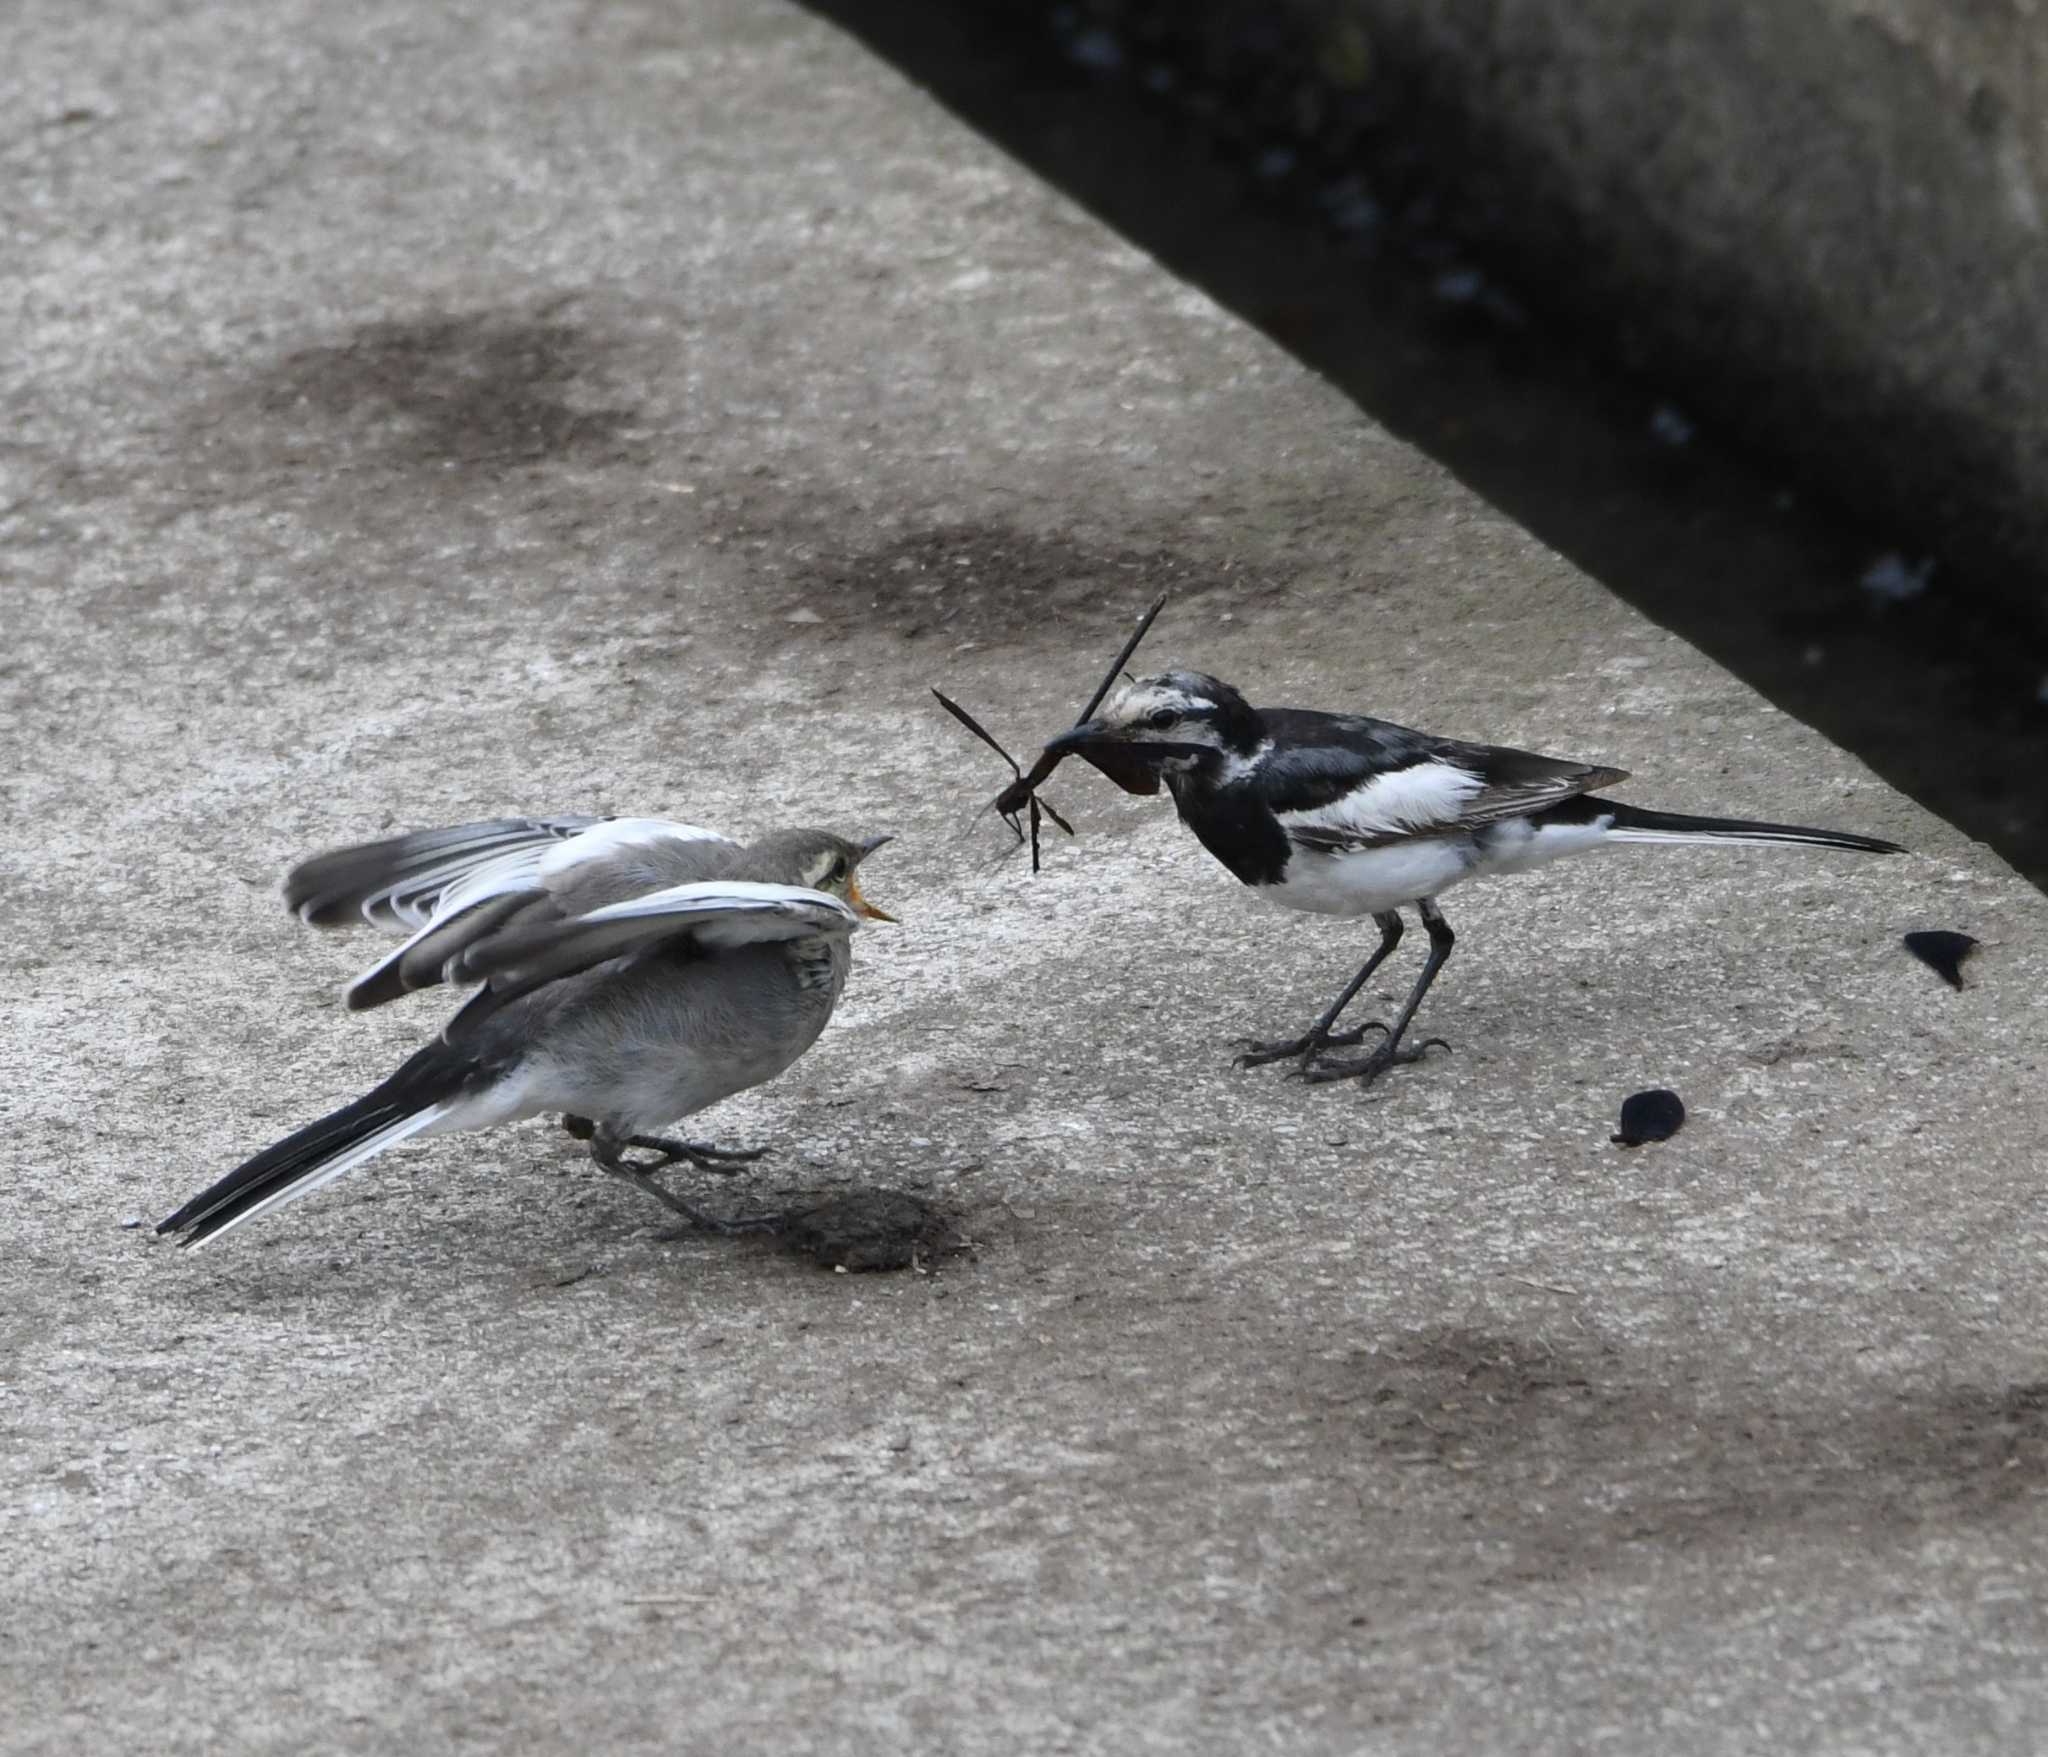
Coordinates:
[1714,315]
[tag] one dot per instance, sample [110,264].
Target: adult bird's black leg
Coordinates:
[1319,1036]
[1389,1050]
[607,1150]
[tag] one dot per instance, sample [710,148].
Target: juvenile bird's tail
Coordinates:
[1631,823]
[412,1101]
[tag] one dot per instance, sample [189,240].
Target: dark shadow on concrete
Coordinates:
[464,388]
[1571,1454]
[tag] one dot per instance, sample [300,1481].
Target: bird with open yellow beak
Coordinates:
[627,973]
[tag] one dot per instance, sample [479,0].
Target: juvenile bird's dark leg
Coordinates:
[1389,1050]
[702,1154]
[607,1150]
[1319,1037]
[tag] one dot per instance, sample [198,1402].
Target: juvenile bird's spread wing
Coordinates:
[1340,782]
[532,949]
[454,887]
[395,884]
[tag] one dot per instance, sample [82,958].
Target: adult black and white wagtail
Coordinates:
[1338,814]
[633,971]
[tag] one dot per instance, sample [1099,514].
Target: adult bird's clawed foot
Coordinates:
[1368,1068]
[1303,1049]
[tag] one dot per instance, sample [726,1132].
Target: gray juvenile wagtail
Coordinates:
[630,972]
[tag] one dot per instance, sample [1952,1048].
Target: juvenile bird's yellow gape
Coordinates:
[629,972]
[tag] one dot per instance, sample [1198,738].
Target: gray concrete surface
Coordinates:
[415,413]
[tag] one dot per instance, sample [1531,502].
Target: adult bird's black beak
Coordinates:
[1080,738]
[1132,766]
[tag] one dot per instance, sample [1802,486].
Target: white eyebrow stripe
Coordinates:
[1135,700]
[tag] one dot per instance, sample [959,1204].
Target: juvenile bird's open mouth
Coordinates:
[862,907]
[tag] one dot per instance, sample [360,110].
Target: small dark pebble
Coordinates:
[868,1229]
[1942,952]
[1655,1115]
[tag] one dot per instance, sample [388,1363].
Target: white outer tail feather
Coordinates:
[1725,838]
[327,1171]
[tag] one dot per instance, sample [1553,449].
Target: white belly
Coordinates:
[1369,881]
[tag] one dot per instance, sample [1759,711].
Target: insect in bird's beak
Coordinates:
[1022,794]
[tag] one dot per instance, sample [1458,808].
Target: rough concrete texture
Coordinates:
[1818,222]
[414,414]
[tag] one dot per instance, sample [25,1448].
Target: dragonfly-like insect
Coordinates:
[1021,796]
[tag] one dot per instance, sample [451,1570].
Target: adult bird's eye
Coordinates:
[1162,718]
[836,871]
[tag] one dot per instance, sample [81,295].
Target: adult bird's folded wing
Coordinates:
[1347,782]
[1514,783]
[532,950]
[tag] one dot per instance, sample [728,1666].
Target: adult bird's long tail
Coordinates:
[412,1101]
[1632,823]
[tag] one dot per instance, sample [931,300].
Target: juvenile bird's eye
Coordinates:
[837,870]
[1162,718]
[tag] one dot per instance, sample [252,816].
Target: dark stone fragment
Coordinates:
[1942,952]
[1655,1115]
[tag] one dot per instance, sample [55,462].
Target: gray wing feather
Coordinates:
[396,883]
[423,961]
[454,886]
[533,952]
